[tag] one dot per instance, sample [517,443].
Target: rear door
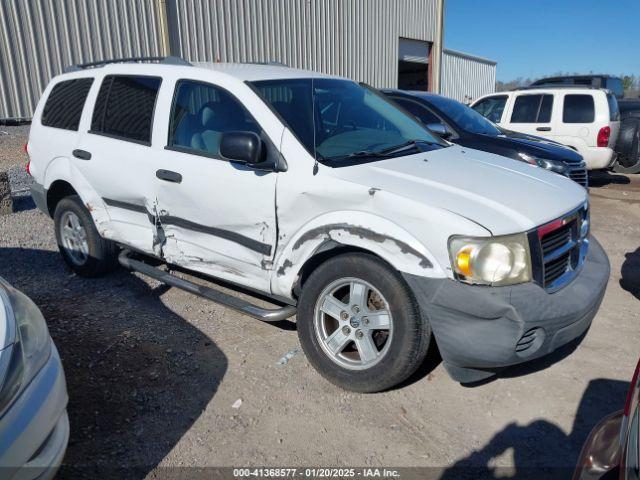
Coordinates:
[115,157]
[531,113]
[216,216]
[576,122]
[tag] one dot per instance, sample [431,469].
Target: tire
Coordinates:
[95,258]
[628,147]
[399,350]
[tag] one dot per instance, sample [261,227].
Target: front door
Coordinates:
[214,216]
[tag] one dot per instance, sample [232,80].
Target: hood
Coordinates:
[537,146]
[501,195]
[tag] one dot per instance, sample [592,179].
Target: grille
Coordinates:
[555,239]
[578,173]
[563,245]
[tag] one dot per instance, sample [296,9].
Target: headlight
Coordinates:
[32,345]
[496,261]
[553,165]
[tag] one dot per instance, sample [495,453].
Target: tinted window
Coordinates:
[544,115]
[614,110]
[124,107]
[201,113]
[578,109]
[615,85]
[532,109]
[421,113]
[64,105]
[464,117]
[491,108]
[340,119]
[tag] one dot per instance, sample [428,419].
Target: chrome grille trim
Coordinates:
[563,245]
[578,173]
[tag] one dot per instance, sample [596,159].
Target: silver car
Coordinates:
[34,426]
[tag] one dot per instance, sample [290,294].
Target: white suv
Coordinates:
[583,118]
[324,196]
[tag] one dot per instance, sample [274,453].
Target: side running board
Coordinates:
[264,314]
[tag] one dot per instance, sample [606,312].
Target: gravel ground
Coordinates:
[155,375]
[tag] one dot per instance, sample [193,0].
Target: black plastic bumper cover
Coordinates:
[39,195]
[479,328]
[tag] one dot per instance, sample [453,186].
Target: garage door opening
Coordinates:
[413,64]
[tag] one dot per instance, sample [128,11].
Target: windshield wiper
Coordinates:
[385,152]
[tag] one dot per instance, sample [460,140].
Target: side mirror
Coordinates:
[242,147]
[439,129]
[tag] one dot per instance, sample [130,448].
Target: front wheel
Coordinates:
[80,244]
[359,324]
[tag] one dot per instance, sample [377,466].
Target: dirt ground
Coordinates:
[154,375]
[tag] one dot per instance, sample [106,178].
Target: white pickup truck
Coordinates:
[319,193]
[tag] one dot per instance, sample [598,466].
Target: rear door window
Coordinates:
[201,114]
[125,106]
[532,109]
[492,107]
[578,109]
[63,108]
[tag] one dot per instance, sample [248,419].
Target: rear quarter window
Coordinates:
[64,105]
[578,109]
[125,106]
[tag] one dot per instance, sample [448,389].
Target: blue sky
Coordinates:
[534,38]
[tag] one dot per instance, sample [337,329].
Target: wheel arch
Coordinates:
[330,235]
[58,190]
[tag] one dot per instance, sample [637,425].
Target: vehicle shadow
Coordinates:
[542,449]
[138,374]
[630,273]
[601,178]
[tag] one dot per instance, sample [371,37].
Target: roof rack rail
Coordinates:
[171,60]
[557,85]
[273,63]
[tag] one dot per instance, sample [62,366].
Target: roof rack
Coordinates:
[556,85]
[273,63]
[171,60]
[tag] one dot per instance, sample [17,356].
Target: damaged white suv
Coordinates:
[316,192]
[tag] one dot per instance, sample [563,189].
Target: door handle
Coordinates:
[169,176]
[82,154]
[543,129]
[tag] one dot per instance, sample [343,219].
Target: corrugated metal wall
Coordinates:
[465,77]
[352,38]
[38,38]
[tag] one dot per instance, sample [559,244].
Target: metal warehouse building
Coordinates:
[466,77]
[386,43]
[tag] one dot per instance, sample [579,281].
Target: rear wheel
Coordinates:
[628,147]
[359,324]
[80,244]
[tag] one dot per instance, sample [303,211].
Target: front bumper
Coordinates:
[480,330]
[34,432]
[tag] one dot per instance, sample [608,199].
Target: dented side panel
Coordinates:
[319,207]
[221,218]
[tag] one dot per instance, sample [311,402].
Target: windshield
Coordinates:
[350,120]
[464,117]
